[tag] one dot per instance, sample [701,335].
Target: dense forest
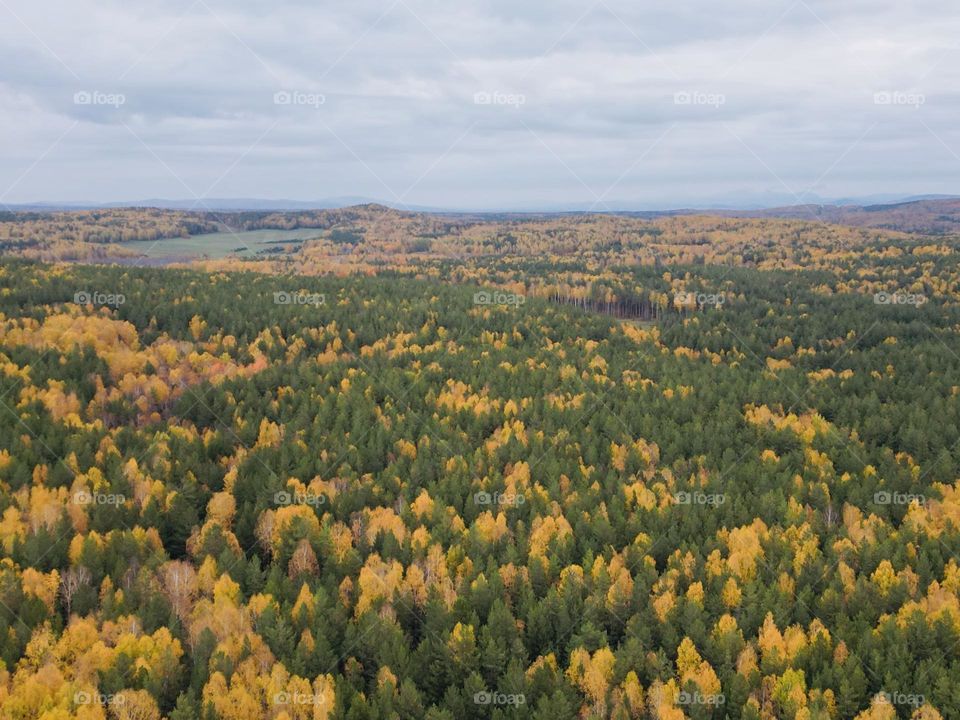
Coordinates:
[605,468]
[367,238]
[87,234]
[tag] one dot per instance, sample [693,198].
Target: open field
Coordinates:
[245,243]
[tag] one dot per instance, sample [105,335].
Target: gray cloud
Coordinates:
[486,103]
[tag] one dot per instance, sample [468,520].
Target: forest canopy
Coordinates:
[552,470]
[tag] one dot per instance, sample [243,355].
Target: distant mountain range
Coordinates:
[221,204]
[767,203]
[927,214]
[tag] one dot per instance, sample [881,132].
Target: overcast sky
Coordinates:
[479,104]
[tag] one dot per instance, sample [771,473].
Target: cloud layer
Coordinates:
[479,104]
